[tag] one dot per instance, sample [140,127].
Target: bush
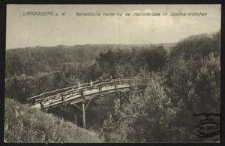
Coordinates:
[189,84]
[24,124]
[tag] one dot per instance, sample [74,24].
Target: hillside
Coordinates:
[24,125]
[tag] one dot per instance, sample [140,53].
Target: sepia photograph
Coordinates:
[112,73]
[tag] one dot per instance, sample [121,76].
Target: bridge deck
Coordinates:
[76,95]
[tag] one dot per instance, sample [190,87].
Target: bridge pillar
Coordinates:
[122,97]
[82,109]
[33,101]
[83,115]
[75,118]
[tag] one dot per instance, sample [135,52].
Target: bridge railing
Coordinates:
[75,90]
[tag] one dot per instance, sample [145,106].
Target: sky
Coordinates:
[23,30]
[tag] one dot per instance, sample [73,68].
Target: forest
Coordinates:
[185,79]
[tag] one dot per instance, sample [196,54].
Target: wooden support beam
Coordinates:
[118,94]
[62,99]
[121,103]
[130,96]
[88,104]
[121,99]
[126,96]
[77,106]
[82,93]
[75,113]
[75,118]
[83,115]
[83,108]
[42,106]
[33,101]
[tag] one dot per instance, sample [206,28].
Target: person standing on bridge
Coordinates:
[91,83]
[110,77]
[101,80]
[122,76]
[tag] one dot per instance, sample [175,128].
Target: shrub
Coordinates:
[24,124]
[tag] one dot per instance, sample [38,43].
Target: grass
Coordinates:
[24,124]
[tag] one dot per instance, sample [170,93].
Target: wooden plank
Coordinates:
[108,91]
[73,87]
[53,99]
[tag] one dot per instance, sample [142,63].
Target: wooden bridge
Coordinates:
[83,93]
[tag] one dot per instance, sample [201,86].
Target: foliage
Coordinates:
[26,125]
[197,47]
[189,83]
[130,62]
[172,86]
[146,119]
[43,69]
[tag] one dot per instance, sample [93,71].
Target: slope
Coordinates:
[24,124]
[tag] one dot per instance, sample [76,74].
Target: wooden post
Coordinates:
[75,118]
[83,114]
[42,106]
[62,99]
[121,99]
[121,103]
[83,108]
[33,101]
[115,85]
[82,93]
[100,88]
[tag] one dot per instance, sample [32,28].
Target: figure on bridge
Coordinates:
[101,80]
[121,77]
[91,83]
[110,77]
